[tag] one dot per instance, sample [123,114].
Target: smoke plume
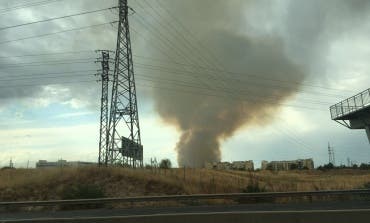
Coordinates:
[223,102]
[259,41]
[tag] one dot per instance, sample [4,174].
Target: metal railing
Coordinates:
[350,105]
[234,196]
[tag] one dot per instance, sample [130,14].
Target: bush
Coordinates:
[364,166]
[254,185]
[328,166]
[83,191]
[367,185]
[165,164]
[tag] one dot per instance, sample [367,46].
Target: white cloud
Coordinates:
[80,142]
[73,114]
[159,139]
[49,143]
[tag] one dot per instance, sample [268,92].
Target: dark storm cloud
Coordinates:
[310,27]
[87,39]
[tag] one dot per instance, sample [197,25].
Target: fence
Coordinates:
[235,196]
[350,105]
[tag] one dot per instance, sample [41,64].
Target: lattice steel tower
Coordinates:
[331,154]
[124,143]
[104,112]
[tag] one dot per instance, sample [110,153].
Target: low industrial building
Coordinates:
[63,163]
[237,165]
[299,164]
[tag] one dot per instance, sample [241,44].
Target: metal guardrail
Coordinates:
[309,216]
[234,196]
[350,105]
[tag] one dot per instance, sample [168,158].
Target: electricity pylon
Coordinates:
[104,112]
[331,154]
[125,141]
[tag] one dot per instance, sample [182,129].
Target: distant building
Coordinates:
[264,164]
[63,163]
[299,164]
[243,165]
[237,165]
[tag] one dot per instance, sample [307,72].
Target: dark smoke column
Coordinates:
[205,121]
[197,146]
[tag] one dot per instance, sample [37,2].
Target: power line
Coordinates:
[159,80]
[151,67]
[55,18]
[44,77]
[206,67]
[63,31]
[168,43]
[44,84]
[213,86]
[48,77]
[245,93]
[192,48]
[177,90]
[224,84]
[242,74]
[183,64]
[179,24]
[47,64]
[48,54]
[223,96]
[46,61]
[27,5]
[163,38]
[183,49]
[175,19]
[195,66]
[145,66]
[209,77]
[291,137]
[164,79]
[44,74]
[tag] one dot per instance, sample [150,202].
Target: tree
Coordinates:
[364,166]
[165,164]
[329,166]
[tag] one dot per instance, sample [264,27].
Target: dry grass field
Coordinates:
[70,183]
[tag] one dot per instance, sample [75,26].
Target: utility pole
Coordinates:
[11,164]
[104,112]
[124,139]
[331,154]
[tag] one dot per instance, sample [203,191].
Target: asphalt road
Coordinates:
[320,206]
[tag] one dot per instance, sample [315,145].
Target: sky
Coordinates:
[218,80]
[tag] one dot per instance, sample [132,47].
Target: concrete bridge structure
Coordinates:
[354,112]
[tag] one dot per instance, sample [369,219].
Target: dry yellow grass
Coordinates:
[43,184]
